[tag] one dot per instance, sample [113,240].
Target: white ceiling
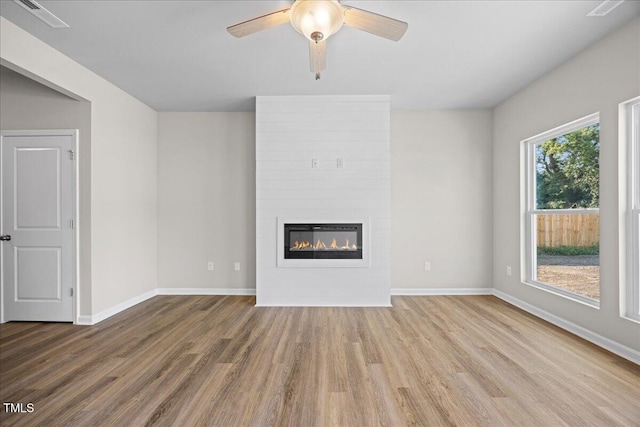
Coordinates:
[177,55]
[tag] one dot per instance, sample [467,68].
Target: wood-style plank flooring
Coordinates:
[220,361]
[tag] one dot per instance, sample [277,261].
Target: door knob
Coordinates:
[5,237]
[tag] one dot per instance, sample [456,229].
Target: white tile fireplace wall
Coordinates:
[323,158]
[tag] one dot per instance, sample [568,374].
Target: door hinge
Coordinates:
[71,291]
[71,155]
[71,223]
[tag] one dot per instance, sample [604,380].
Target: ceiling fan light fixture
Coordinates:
[311,17]
[317,20]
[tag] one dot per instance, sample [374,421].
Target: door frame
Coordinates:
[75,187]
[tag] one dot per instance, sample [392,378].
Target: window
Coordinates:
[631,111]
[562,219]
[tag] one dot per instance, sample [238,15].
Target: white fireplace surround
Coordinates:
[323,159]
[365,262]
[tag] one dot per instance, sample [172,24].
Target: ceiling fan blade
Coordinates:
[260,23]
[373,23]
[318,56]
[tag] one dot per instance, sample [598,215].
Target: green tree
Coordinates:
[568,170]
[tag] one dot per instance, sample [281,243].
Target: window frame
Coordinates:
[529,249]
[632,142]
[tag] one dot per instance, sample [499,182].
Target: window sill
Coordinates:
[589,302]
[630,319]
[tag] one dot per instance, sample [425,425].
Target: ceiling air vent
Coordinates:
[42,14]
[29,4]
[605,7]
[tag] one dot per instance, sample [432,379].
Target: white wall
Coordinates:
[290,132]
[441,199]
[596,80]
[26,104]
[123,168]
[206,200]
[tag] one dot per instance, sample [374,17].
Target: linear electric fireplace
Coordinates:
[323,241]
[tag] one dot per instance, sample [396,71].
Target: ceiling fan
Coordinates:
[319,19]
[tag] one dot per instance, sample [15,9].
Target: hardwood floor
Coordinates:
[210,360]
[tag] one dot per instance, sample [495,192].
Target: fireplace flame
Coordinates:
[301,245]
[320,245]
[346,245]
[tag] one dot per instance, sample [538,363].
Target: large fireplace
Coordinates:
[323,241]
[323,177]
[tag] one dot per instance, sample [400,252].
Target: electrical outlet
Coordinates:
[508,270]
[236,266]
[210,266]
[427,266]
[340,163]
[314,163]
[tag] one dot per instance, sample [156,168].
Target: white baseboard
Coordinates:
[84,320]
[105,314]
[441,291]
[206,291]
[112,311]
[613,346]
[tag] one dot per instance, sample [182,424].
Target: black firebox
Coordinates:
[323,241]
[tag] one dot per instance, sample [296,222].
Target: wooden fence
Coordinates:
[568,230]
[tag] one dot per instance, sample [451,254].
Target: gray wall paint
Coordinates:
[124,142]
[27,105]
[596,80]
[440,177]
[206,199]
[441,199]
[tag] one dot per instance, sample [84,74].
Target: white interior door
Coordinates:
[38,193]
